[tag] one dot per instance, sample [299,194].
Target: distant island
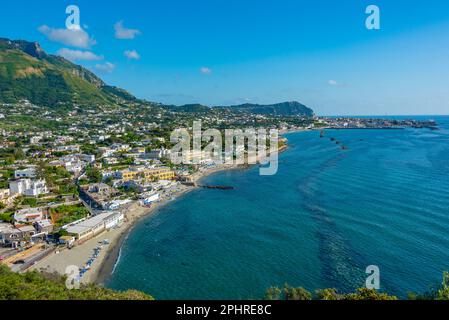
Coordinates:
[292,108]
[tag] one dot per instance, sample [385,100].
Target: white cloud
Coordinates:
[70,37]
[205,70]
[105,67]
[124,33]
[335,83]
[132,54]
[75,55]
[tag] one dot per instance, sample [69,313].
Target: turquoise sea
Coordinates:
[318,223]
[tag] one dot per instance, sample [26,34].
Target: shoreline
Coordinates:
[108,263]
[110,260]
[105,264]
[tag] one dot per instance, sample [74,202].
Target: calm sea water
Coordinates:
[318,223]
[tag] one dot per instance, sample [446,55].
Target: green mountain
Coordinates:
[28,72]
[281,109]
[190,108]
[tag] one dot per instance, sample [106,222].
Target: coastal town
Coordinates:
[73,183]
[223,159]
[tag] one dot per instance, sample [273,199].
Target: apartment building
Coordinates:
[146,174]
[28,187]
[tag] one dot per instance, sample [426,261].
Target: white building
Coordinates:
[29,173]
[75,163]
[106,152]
[111,161]
[121,147]
[157,154]
[90,158]
[74,166]
[44,226]
[30,215]
[150,199]
[107,174]
[68,148]
[116,204]
[35,139]
[89,228]
[28,187]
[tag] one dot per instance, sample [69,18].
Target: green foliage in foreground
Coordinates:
[36,286]
[291,293]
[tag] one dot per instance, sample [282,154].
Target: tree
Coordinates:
[32,202]
[443,291]
[273,293]
[297,293]
[328,294]
[368,294]
[7,217]
[290,293]
[36,286]
[94,175]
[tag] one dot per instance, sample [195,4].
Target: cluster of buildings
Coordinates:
[139,155]
[30,226]
[372,123]
[138,178]
[74,163]
[98,195]
[33,225]
[25,184]
[129,147]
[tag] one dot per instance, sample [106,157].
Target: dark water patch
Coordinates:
[340,263]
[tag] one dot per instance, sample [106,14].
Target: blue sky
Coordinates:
[220,52]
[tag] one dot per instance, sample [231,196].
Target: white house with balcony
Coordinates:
[28,187]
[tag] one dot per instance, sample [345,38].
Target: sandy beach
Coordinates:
[104,264]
